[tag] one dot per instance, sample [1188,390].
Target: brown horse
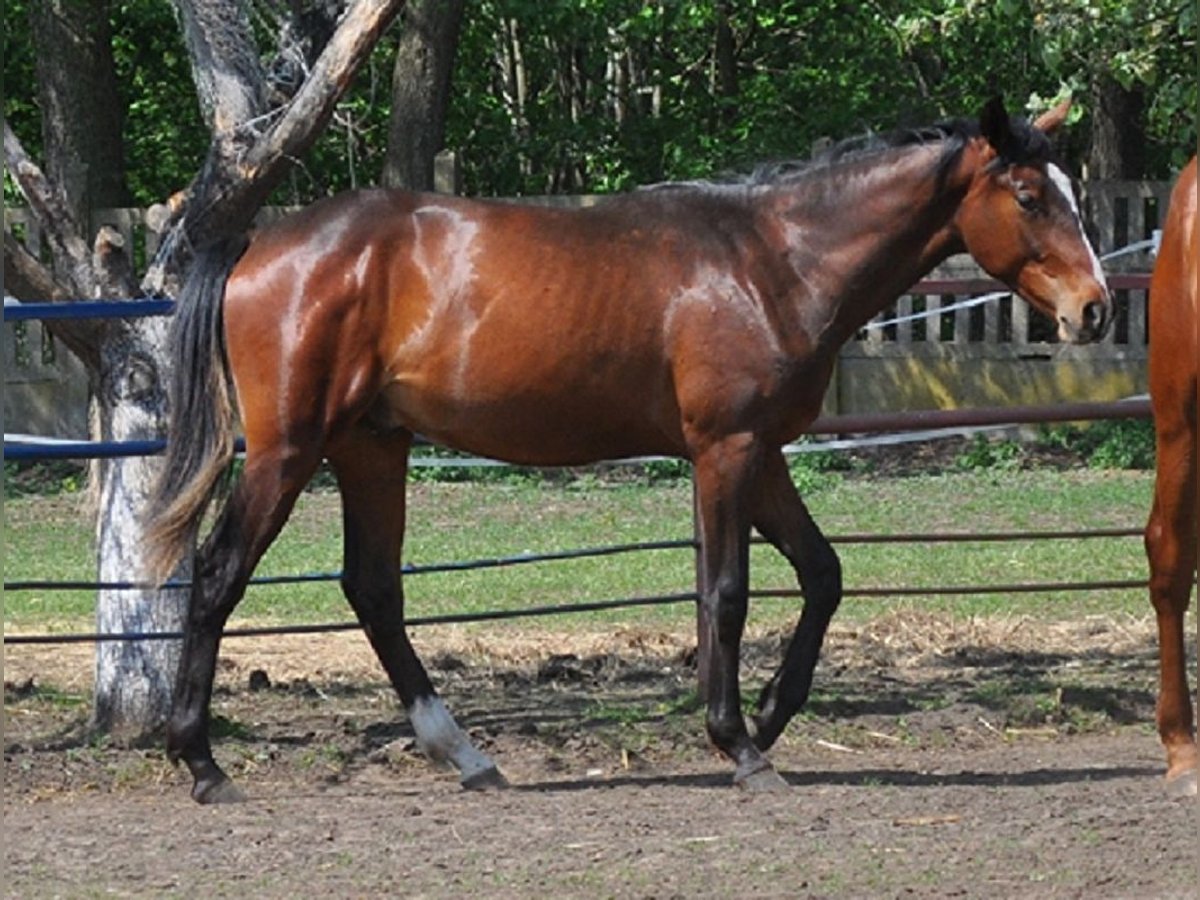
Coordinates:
[1171,531]
[695,320]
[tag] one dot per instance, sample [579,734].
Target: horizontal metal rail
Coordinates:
[850,423]
[590,552]
[88,309]
[590,606]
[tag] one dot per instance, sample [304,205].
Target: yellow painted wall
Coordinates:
[878,378]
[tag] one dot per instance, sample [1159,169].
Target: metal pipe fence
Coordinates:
[910,423]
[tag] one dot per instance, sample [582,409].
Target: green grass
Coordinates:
[51,538]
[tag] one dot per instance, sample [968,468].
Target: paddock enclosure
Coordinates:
[983,354]
[940,757]
[972,794]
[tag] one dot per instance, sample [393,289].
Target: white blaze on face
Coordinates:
[1060,180]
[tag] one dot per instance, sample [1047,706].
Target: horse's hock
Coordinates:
[994,354]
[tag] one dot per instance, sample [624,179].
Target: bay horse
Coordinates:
[1171,532]
[695,320]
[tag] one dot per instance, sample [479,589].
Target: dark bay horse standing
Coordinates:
[1171,531]
[700,321]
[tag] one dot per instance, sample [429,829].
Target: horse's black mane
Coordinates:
[1028,145]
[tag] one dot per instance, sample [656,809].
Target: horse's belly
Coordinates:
[530,425]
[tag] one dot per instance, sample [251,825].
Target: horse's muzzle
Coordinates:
[1094,321]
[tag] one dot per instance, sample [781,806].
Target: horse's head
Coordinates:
[1021,223]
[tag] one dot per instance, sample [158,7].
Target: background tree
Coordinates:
[600,95]
[1133,64]
[256,129]
[222,105]
[421,91]
[82,109]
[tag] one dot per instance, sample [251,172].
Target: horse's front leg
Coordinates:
[723,474]
[781,517]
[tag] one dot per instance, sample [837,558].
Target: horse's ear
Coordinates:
[1052,119]
[996,127]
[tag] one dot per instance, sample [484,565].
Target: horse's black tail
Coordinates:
[200,436]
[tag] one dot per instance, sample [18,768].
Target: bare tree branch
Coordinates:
[112,265]
[233,185]
[62,231]
[226,70]
[317,98]
[25,278]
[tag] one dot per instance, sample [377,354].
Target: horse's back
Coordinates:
[515,331]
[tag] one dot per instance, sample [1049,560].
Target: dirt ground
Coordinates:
[937,759]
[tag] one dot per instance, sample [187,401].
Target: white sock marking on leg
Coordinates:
[439,736]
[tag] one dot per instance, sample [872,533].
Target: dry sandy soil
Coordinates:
[937,759]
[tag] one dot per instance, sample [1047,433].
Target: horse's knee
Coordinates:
[1170,568]
[727,607]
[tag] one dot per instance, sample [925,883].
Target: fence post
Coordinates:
[447,174]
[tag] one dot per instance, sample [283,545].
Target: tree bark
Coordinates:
[725,58]
[250,157]
[133,679]
[1117,143]
[132,694]
[251,150]
[82,112]
[421,92]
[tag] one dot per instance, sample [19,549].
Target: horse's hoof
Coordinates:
[488,779]
[1182,785]
[761,781]
[221,791]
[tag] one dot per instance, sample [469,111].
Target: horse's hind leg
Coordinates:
[1171,550]
[371,470]
[781,517]
[261,501]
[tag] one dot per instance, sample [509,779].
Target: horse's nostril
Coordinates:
[1094,315]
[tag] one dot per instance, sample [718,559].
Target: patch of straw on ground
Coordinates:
[905,638]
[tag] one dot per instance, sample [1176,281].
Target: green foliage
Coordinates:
[616,93]
[166,138]
[42,479]
[815,471]
[1151,43]
[1116,444]
[985,452]
[802,72]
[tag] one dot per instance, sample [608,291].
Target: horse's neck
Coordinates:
[857,247]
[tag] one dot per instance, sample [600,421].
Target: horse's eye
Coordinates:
[1027,201]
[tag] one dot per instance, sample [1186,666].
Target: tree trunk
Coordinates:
[82,113]
[1117,142]
[725,60]
[251,150]
[134,679]
[229,78]
[421,92]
